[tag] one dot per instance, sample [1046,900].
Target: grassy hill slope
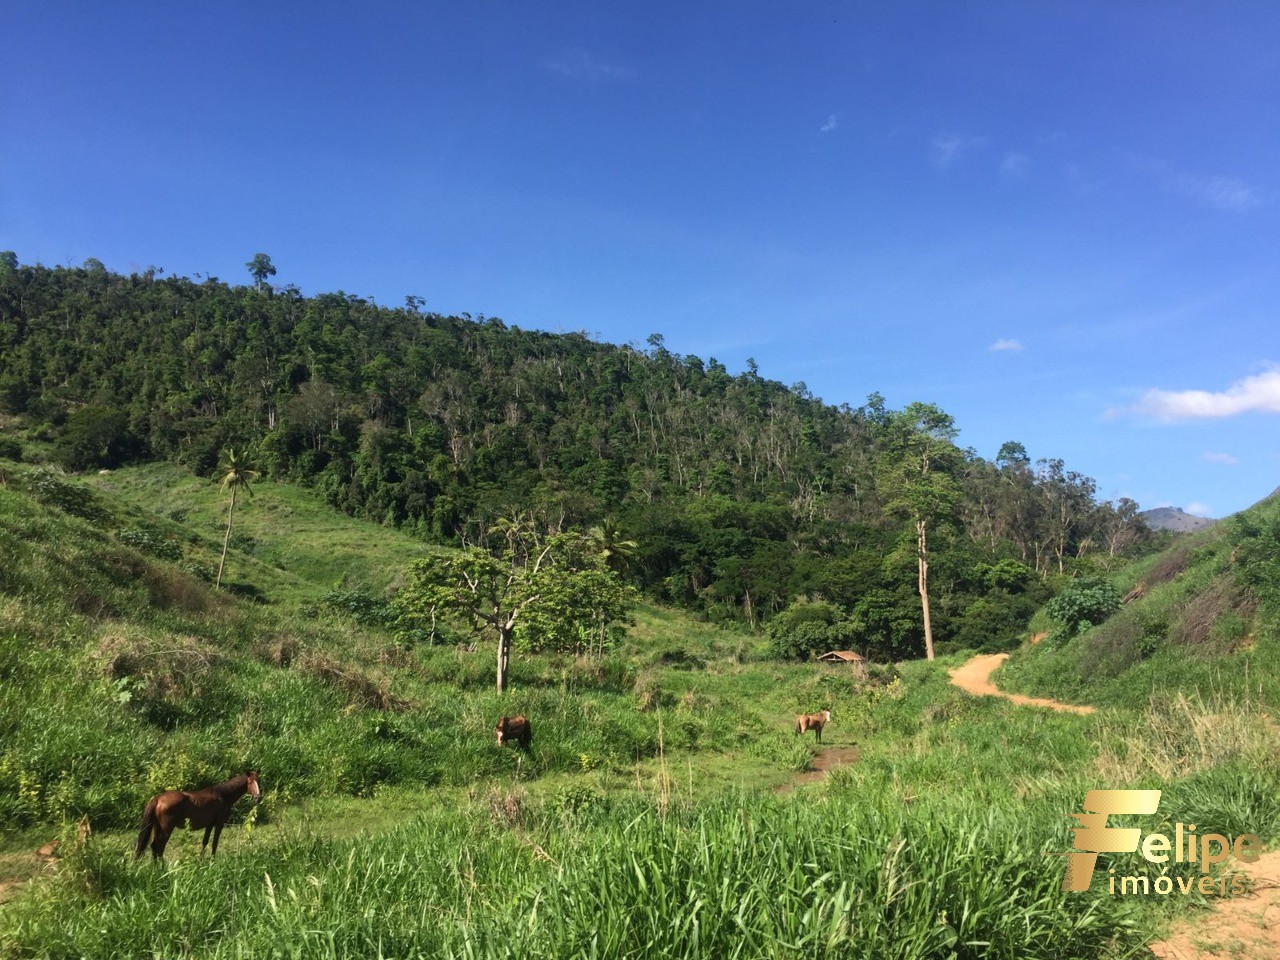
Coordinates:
[1202,620]
[642,822]
[126,672]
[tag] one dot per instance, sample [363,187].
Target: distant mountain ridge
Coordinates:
[1175,519]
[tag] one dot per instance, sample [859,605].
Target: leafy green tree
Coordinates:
[95,436]
[809,628]
[260,268]
[554,588]
[921,486]
[236,476]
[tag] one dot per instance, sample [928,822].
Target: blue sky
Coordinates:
[1055,220]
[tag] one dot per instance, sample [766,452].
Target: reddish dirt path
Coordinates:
[975,678]
[1245,926]
[827,759]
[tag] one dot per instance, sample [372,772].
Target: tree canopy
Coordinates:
[537,592]
[728,493]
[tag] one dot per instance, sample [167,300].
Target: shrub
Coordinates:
[148,542]
[1256,538]
[993,622]
[169,682]
[1084,603]
[362,607]
[53,491]
[201,571]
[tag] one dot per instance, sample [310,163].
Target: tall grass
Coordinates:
[742,877]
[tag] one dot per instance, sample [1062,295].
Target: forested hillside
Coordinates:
[732,494]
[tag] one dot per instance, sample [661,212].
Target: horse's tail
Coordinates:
[799,725]
[148,824]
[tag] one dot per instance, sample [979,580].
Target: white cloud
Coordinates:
[1223,458]
[948,147]
[1015,164]
[1257,394]
[1005,346]
[1197,509]
[832,122]
[578,64]
[1219,191]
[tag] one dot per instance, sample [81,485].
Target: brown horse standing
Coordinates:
[514,730]
[814,722]
[208,808]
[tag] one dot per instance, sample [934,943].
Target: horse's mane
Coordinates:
[239,782]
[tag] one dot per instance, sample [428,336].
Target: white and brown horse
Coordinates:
[814,722]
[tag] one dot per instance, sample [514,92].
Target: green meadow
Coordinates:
[649,818]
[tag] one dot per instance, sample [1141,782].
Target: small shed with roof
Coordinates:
[855,660]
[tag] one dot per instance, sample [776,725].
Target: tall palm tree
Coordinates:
[236,477]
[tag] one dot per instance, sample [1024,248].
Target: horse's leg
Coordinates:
[217,832]
[818,731]
[205,843]
[159,840]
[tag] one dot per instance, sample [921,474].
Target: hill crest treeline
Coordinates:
[743,496]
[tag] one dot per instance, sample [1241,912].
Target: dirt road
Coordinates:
[975,678]
[1235,927]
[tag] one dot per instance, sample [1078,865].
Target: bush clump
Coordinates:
[148,542]
[53,491]
[1085,603]
[364,608]
[808,628]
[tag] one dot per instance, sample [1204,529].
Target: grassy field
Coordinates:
[644,820]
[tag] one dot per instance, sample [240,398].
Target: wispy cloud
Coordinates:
[947,148]
[1218,191]
[578,64]
[1005,346]
[1223,458]
[1256,394]
[1197,509]
[1221,193]
[832,122]
[1015,164]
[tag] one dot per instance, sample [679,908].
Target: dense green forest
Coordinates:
[735,495]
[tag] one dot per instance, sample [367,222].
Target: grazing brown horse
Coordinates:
[208,808]
[814,722]
[514,730]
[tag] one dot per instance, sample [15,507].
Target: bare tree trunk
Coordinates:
[227,539]
[923,557]
[504,656]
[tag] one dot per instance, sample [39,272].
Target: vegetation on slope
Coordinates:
[1202,618]
[741,494]
[125,673]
